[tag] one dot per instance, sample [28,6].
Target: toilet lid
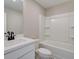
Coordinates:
[44,51]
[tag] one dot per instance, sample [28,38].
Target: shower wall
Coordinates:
[59,28]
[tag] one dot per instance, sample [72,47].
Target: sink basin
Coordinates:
[17,43]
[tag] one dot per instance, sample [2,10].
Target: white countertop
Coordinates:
[17,43]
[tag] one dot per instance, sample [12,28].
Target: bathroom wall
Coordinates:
[32,12]
[14,21]
[59,9]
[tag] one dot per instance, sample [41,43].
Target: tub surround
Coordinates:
[59,28]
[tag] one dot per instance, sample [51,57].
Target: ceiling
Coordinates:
[50,3]
[17,5]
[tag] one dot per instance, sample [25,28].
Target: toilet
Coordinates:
[44,53]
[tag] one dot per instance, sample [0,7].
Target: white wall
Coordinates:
[14,20]
[61,8]
[32,12]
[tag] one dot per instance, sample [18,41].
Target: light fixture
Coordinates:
[14,0]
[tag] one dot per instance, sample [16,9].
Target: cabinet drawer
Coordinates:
[19,52]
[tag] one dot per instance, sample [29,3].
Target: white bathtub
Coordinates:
[59,50]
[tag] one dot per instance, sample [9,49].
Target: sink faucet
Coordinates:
[10,35]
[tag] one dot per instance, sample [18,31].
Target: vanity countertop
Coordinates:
[16,44]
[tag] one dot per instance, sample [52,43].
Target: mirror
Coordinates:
[13,19]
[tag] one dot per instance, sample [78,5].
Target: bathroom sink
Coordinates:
[17,43]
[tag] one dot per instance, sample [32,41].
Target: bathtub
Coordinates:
[59,50]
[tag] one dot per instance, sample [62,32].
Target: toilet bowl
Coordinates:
[44,53]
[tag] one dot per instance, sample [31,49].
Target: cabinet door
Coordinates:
[10,56]
[30,55]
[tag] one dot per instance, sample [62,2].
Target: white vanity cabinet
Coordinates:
[24,52]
